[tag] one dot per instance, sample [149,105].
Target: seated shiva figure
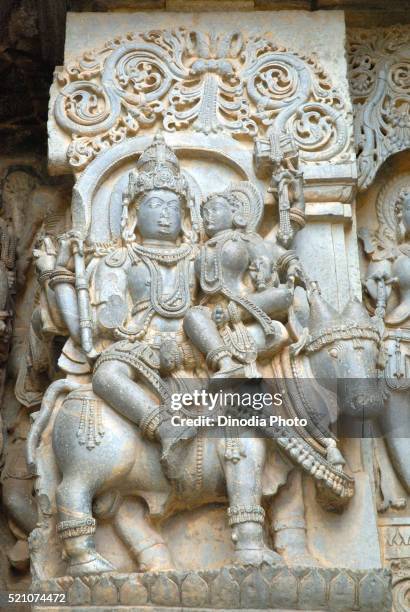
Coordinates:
[140,292]
[141,289]
[244,301]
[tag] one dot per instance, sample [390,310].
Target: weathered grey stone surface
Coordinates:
[175,170]
[270,130]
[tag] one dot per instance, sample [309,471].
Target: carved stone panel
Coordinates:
[239,82]
[207,237]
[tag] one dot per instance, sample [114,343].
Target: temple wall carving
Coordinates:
[227,198]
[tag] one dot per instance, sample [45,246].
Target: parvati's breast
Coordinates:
[234,257]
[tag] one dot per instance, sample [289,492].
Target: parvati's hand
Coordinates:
[220,316]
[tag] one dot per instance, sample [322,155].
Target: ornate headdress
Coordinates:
[245,199]
[157,168]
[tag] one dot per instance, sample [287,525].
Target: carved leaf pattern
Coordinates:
[379,63]
[211,83]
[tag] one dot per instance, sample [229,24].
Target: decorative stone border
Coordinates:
[229,588]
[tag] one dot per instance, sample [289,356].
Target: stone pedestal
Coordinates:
[266,588]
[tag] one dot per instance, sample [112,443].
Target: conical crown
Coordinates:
[158,153]
[157,168]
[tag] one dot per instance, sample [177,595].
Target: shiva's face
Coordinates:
[217,215]
[160,215]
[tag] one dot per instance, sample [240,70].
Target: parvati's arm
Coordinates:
[275,301]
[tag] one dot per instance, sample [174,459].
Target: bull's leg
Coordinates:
[288,522]
[396,427]
[390,492]
[77,526]
[144,543]
[245,513]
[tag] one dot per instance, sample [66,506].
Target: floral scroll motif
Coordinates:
[211,97]
[211,83]
[293,94]
[380,84]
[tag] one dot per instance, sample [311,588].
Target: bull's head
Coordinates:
[345,347]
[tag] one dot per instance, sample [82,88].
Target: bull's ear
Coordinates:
[298,314]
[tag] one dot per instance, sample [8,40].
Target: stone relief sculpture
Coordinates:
[141,297]
[179,261]
[26,199]
[208,237]
[379,65]
[7,290]
[386,286]
[7,285]
[233,249]
[15,479]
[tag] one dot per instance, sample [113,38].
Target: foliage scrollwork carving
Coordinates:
[380,85]
[226,83]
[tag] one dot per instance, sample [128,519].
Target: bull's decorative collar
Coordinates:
[348,331]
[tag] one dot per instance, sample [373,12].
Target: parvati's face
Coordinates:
[217,215]
[159,215]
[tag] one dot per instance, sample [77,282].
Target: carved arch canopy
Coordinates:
[379,62]
[228,84]
[97,195]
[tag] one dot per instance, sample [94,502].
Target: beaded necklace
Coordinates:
[176,304]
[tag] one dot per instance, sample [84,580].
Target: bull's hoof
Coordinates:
[257,556]
[303,559]
[155,559]
[398,503]
[95,564]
